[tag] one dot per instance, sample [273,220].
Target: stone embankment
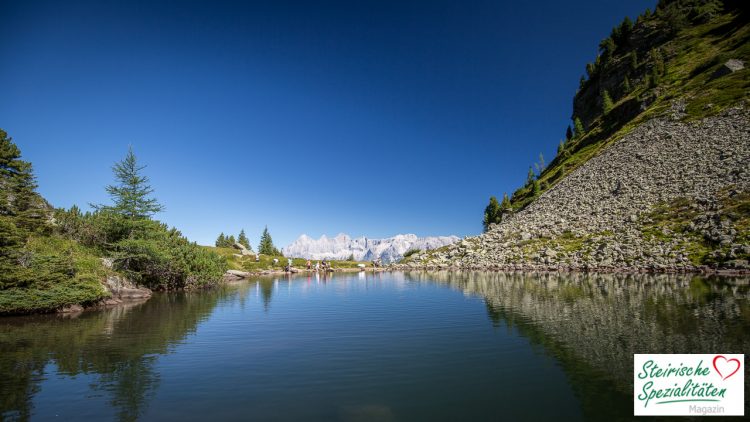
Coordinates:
[670,196]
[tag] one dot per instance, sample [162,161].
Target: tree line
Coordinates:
[265,246]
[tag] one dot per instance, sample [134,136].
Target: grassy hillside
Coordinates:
[668,59]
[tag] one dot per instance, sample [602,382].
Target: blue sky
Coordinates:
[365,117]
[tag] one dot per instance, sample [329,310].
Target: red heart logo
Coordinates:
[726,364]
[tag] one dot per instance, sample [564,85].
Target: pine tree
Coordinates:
[242,239]
[590,70]
[581,82]
[633,60]
[17,182]
[657,69]
[606,102]
[578,127]
[560,147]
[626,85]
[131,193]
[530,176]
[569,133]
[535,189]
[492,213]
[607,46]
[221,241]
[626,27]
[231,241]
[541,165]
[505,206]
[18,197]
[266,246]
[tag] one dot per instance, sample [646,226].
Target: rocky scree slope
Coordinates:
[669,196]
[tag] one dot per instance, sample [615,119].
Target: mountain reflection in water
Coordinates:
[589,325]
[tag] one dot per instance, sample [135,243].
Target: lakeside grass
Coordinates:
[248,263]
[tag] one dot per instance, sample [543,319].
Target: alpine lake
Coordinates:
[442,346]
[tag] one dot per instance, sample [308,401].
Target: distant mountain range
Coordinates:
[364,249]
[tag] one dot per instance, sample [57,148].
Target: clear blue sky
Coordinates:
[366,117]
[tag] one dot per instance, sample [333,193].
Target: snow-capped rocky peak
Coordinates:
[362,248]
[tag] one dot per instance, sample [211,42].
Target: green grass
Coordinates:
[248,263]
[83,287]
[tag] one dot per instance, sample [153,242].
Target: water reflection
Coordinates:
[592,324]
[119,345]
[589,324]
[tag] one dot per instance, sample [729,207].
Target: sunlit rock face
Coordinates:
[362,248]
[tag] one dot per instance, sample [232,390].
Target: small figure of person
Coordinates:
[309,265]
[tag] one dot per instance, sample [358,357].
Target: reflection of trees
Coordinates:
[594,323]
[121,345]
[266,291]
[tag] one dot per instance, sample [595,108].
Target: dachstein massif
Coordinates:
[654,174]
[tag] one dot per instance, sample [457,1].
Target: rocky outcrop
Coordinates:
[730,66]
[122,290]
[243,250]
[235,275]
[601,216]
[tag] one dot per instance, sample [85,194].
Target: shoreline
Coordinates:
[133,295]
[702,270]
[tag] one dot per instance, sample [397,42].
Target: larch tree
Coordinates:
[131,195]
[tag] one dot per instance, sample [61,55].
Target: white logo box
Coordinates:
[689,384]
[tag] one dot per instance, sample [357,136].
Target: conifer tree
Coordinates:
[626,28]
[17,182]
[530,176]
[569,133]
[266,246]
[535,189]
[578,127]
[131,194]
[492,213]
[541,165]
[18,197]
[626,85]
[633,60]
[231,240]
[590,70]
[606,102]
[505,206]
[221,241]
[242,239]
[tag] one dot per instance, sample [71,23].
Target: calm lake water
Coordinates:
[380,347]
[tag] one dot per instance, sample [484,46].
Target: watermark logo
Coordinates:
[683,385]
